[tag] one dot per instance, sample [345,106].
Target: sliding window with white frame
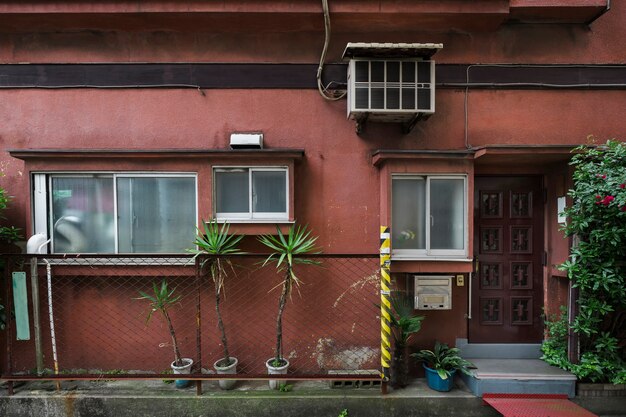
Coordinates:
[429,216]
[251,194]
[116,212]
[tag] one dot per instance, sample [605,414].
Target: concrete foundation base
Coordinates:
[154,398]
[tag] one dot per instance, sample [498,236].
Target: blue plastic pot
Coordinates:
[435,382]
[184,370]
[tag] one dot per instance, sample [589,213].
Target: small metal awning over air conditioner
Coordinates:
[390,50]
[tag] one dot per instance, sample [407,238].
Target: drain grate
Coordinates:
[355,379]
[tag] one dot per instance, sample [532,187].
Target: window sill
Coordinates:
[422,265]
[256,227]
[93,260]
[429,258]
[255,221]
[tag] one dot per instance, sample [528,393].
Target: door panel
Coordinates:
[507,289]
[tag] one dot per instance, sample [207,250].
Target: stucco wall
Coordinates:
[336,185]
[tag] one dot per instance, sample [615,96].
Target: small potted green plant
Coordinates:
[441,364]
[404,324]
[286,253]
[161,301]
[218,242]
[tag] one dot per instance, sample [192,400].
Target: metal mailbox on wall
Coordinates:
[433,292]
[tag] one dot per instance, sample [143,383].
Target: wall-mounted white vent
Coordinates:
[246,140]
[390,82]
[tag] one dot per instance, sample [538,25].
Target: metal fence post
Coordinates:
[385,305]
[197,266]
[34,283]
[8,265]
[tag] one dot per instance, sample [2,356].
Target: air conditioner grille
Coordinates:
[393,86]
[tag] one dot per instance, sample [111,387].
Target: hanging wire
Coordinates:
[323,89]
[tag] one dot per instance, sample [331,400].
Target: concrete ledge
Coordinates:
[240,406]
[499,350]
[518,376]
[154,398]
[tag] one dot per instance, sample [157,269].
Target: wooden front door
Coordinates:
[507,288]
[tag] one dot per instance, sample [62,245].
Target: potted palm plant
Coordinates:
[404,325]
[216,241]
[285,253]
[161,301]
[441,364]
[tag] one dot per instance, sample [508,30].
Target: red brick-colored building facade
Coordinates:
[102,97]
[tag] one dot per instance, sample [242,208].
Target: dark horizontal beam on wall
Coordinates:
[531,76]
[298,76]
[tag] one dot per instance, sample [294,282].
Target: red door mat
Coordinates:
[535,405]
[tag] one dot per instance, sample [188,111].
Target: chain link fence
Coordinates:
[93,320]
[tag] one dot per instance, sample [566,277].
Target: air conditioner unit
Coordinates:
[391,90]
[391,82]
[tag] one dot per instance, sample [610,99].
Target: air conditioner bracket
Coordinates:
[407,127]
[360,123]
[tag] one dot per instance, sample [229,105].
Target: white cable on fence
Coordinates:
[51,315]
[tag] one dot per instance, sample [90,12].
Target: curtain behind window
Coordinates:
[83,215]
[268,192]
[155,215]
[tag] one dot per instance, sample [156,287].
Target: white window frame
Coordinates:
[42,205]
[428,253]
[250,216]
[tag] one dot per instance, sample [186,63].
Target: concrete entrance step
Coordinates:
[499,350]
[518,376]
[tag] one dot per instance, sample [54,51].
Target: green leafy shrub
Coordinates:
[284,387]
[160,301]
[554,348]
[599,364]
[8,234]
[597,265]
[286,252]
[404,324]
[217,241]
[444,360]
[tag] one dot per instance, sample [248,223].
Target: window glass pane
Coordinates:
[232,191]
[82,215]
[269,192]
[155,215]
[408,213]
[447,210]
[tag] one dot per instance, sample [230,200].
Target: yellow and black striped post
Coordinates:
[385,304]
